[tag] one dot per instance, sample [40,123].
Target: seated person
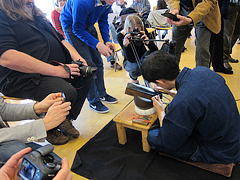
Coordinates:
[56,14]
[9,170]
[142,7]
[14,139]
[35,61]
[202,123]
[117,7]
[130,63]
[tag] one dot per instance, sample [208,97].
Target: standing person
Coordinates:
[231,32]
[143,8]
[204,16]
[78,18]
[56,14]
[130,62]
[202,123]
[216,45]
[35,61]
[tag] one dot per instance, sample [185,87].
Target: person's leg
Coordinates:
[203,37]
[229,26]
[180,34]
[9,149]
[216,49]
[85,51]
[236,32]
[185,152]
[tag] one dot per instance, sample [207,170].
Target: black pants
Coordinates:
[216,48]
[75,90]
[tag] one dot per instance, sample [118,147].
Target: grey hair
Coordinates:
[132,20]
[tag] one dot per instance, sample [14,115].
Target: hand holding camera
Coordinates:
[138,37]
[42,164]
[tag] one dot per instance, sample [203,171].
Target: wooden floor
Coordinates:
[90,122]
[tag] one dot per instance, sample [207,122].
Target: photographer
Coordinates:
[35,61]
[14,139]
[10,169]
[124,38]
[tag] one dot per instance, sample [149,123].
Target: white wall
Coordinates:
[152,3]
[47,6]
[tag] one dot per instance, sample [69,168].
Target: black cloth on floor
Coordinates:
[103,158]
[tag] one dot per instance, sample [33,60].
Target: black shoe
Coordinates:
[223,70]
[68,129]
[56,137]
[231,60]
[227,65]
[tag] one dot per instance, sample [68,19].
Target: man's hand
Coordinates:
[103,49]
[43,105]
[110,45]
[64,173]
[61,72]
[158,104]
[56,114]
[169,92]
[10,169]
[183,20]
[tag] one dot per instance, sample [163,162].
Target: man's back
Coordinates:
[204,112]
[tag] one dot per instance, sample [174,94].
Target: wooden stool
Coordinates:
[124,120]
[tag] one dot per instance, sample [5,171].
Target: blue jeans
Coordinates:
[132,68]
[97,89]
[202,42]
[11,148]
[114,39]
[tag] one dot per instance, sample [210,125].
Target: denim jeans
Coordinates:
[132,68]
[202,42]
[114,39]
[231,29]
[11,148]
[97,89]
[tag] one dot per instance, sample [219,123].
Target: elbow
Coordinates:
[5,58]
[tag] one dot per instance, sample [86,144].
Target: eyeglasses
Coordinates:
[62,0]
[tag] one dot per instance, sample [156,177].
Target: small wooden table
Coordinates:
[124,120]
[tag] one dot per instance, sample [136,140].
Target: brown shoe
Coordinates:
[56,137]
[118,66]
[68,129]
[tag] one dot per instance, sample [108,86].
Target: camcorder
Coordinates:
[136,37]
[39,164]
[86,70]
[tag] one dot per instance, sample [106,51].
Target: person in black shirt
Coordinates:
[35,61]
[130,64]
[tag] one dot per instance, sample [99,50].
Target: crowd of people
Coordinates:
[37,61]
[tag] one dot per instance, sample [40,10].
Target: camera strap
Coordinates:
[64,66]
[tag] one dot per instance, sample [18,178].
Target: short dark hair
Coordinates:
[159,65]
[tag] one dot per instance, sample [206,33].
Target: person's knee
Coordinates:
[70,93]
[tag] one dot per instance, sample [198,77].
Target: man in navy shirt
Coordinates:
[202,122]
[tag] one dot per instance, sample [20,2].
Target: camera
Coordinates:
[39,164]
[86,70]
[136,36]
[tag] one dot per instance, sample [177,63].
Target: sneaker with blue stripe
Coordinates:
[109,99]
[99,107]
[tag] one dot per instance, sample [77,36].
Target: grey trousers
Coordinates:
[202,41]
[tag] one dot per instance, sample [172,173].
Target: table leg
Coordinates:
[122,137]
[146,146]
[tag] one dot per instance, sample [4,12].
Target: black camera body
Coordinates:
[39,164]
[136,37]
[86,70]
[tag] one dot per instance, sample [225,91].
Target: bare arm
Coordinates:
[22,62]
[73,52]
